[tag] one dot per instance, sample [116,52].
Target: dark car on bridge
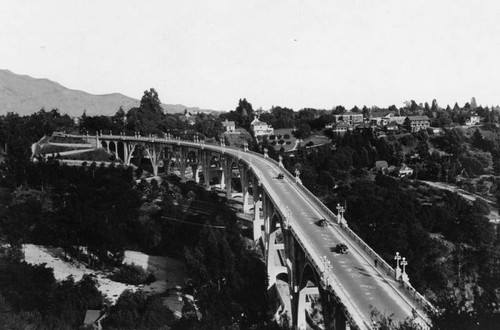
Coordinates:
[280,176]
[341,248]
[322,223]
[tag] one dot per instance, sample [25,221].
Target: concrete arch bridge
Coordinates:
[316,287]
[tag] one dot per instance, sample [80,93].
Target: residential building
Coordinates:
[381,166]
[187,117]
[349,117]
[341,128]
[404,171]
[392,127]
[417,123]
[386,119]
[363,126]
[391,118]
[230,126]
[472,120]
[259,128]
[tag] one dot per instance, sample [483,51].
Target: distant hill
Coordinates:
[25,95]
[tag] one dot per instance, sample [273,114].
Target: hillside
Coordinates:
[25,95]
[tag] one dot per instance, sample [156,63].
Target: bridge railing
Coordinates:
[420,299]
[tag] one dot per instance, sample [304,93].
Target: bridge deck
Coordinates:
[354,277]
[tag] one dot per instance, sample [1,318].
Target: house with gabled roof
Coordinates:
[260,128]
[341,128]
[229,126]
[349,117]
[417,123]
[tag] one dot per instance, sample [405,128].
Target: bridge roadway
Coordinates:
[353,276]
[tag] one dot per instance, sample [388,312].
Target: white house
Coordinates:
[349,117]
[230,126]
[404,171]
[472,120]
[341,128]
[259,128]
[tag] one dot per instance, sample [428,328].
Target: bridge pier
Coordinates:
[205,167]
[222,178]
[244,187]
[228,174]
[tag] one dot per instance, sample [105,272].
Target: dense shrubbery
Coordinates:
[138,310]
[133,274]
[30,297]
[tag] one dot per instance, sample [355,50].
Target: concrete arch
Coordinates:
[276,250]
[311,302]
[214,169]
[165,155]
[192,165]
[120,147]
[192,157]
[140,152]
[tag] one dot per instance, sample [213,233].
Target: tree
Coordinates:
[473,103]
[119,120]
[137,310]
[303,131]
[283,117]
[148,117]
[244,111]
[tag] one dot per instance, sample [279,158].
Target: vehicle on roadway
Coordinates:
[322,223]
[280,176]
[341,248]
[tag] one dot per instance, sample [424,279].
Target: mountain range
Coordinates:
[25,95]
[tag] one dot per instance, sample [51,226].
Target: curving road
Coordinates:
[353,276]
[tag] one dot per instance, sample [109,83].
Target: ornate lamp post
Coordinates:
[404,276]
[297,174]
[340,210]
[397,257]
[340,215]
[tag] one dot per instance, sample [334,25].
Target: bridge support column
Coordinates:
[130,152]
[205,167]
[246,202]
[244,187]
[196,172]
[222,178]
[334,316]
[181,156]
[257,221]
[267,211]
[226,168]
[125,154]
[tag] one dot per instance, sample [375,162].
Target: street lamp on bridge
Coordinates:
[404,276]
[340,215]
[297,176]
[397,257]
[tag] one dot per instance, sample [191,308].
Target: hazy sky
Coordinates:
[294,53]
